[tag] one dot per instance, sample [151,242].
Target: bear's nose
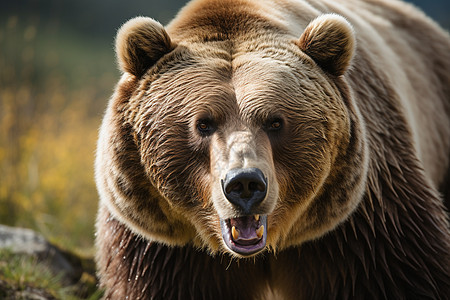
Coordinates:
[245,188]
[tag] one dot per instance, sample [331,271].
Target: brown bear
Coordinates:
[282,149]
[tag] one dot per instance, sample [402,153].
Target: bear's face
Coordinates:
[242,150]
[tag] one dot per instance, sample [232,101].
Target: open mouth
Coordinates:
[245,235]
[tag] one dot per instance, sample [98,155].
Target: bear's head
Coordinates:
[234,142]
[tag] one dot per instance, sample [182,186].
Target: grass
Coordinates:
[20,274]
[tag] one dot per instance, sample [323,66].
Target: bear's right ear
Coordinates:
[140,43]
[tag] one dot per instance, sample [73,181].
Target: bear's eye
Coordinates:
[274,124]
[205,127]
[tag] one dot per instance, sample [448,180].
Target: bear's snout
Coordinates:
[245,188]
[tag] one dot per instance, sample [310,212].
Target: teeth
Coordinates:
[260,231]
[234,233]
[256,217]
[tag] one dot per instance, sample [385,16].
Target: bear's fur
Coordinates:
[349,126]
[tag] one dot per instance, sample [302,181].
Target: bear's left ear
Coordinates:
[330,41]
[140,43]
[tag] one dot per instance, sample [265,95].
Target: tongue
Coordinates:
[246,228]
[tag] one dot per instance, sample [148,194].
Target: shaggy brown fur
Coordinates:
[353,207]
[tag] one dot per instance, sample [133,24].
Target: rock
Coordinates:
[21,241]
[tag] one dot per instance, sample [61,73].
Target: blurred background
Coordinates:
[57,71]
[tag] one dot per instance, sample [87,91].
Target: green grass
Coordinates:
[20,273]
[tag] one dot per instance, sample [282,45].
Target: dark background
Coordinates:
[103,17]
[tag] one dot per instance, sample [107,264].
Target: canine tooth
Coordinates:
[260,232]
[257,217]
[234,233]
